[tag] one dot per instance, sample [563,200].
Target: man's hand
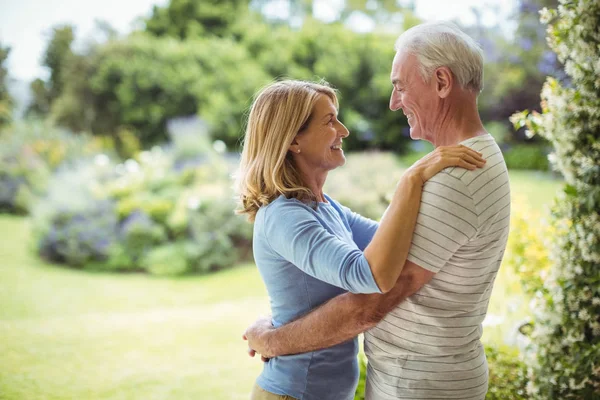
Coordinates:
[256,335]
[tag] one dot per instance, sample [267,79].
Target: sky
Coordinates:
[25,24]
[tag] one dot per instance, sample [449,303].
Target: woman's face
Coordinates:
[320,143]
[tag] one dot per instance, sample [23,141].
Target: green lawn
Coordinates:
[68,334]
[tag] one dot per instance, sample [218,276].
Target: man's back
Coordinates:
[429,347]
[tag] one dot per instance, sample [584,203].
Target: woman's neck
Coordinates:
[315,181]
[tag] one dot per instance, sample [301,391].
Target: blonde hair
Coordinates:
[267,170]
[437,44]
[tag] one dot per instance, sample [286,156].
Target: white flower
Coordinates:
[193,203]
[101,160]
[584,315]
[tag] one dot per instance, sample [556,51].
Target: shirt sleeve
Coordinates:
[447,221]
[294,233]
[363,229]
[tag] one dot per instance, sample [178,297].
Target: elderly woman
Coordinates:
[308,247]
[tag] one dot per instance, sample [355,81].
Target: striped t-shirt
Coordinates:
[429,346]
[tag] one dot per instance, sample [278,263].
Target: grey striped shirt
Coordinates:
[429,346]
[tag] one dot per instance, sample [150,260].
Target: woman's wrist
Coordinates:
[413,177]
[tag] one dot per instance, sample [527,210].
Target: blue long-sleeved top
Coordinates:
[307,256]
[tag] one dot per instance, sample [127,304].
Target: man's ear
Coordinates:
[444,80]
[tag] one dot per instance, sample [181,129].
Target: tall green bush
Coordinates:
[6,101]
[141,82]
[565,361]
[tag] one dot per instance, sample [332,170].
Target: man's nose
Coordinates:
[395,103]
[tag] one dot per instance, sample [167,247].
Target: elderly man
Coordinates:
[422,339]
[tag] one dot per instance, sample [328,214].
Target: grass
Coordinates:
[69,334]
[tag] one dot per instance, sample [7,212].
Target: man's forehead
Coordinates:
[395,73]
[401,59]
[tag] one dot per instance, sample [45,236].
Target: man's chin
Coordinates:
[414,134]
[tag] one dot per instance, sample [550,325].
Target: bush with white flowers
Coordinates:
[565,340]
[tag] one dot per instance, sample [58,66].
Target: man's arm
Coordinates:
[338,320]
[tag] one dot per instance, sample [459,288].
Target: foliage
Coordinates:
[527,253]
[565,341]
[176,68]
[163,212]
[141,82]
[190,62]
[362,377]
[29,152]
[516,66]
[508,373]
[57,58]
[366,183]
[343,58]
[526,156]
[507,378]
[6,102]
[188,18]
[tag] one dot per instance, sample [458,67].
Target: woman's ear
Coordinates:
[443,81]
[295,146]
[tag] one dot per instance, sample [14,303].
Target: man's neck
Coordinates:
[458,124]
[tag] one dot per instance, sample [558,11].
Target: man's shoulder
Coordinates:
[461,178]
[449,180]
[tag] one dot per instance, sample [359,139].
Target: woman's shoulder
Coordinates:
[282,205]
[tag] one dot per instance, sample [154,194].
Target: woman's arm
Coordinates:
[299,237]
[387,252]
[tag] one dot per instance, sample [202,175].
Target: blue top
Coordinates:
[307,256]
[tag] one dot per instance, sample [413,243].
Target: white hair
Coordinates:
[443,44]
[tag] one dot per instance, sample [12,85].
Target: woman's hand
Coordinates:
[256,335]
[444,157]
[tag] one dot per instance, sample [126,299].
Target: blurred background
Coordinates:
[125,273]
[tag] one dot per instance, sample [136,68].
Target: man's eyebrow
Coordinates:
[396,82]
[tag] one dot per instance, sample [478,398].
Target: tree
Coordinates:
[6,102]
[57,57]
[140,82]
[565,360]
[515,67]
[195,18]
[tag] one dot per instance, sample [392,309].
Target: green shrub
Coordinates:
[71,224]
[168,260]
[365,184]
[362,378]
[526,251]
[527,156]
[508,374]
[151,214]
[564,356]
[29,152]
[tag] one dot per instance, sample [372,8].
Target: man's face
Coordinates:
[415,98]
